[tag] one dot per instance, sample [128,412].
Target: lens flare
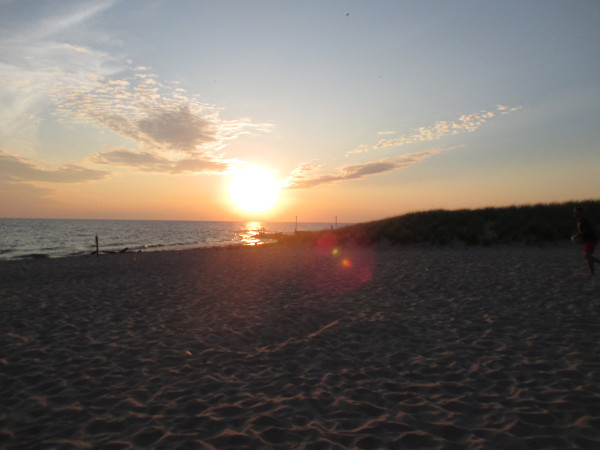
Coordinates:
[339,269]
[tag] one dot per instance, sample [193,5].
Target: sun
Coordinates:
[253,189]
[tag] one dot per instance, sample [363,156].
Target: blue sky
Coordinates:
[139,109]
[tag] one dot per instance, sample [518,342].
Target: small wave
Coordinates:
[52,249]
[137,248]
[80,253]
[150,246]
[35,256]
[119,244]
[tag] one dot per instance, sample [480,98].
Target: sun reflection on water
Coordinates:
[252,233]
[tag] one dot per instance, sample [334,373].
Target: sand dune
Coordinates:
[297,348]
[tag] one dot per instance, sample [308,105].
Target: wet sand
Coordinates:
[290,347]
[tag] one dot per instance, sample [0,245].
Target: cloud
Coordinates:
[179,128]
[178,132]
[149,162]
[160,118]
[126,157]
[66,16]
[303,178]
[465,124]
[35,61]
[12,188]
[85,85]
[507,110]
[18,169]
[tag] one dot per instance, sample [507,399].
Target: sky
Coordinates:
[361,110]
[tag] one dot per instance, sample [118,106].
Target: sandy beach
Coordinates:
[295,347]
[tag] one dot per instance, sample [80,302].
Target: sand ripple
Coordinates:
[288,348]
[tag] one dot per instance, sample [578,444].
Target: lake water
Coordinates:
[39,238]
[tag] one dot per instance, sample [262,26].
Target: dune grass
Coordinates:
[538,224]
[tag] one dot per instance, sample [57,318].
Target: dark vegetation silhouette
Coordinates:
[539,224]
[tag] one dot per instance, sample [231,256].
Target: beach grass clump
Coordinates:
[539,224]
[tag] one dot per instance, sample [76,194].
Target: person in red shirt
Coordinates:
[587,236]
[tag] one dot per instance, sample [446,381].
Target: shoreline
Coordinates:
[285,347]
[128,250]
[291,243]
[37,239]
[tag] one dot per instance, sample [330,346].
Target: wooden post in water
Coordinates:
[97,247]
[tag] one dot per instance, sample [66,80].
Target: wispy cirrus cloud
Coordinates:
[507,109]
[46,23]
[161,119]
[150,162]
[180,133]
[464,124]
[34,59]
[35,56]
[304,176]
[18,169]
[87,85]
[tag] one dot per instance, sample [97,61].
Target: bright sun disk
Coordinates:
[253,189]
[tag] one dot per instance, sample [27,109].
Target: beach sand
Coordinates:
[293,347]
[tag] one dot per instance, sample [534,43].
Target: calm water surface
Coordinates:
[39,238]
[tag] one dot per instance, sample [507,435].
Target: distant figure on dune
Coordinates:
[587,237]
